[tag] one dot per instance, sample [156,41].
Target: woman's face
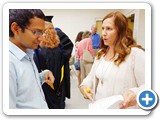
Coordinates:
[109,32]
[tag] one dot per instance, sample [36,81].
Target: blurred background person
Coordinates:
[77,61]
[67,47]
[95,39]
[56,50]
[83,44]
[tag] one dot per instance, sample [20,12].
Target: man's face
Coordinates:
[32,34]
[94,30]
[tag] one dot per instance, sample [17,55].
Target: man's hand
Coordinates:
[48,77]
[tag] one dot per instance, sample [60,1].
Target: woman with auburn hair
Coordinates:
[50,39]
[49,56]
[119,67]
[54,52]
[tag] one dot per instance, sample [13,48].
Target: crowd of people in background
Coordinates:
[89,40]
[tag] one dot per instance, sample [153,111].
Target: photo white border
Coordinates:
[8,6]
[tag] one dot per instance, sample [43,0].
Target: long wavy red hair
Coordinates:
[124,41]
[50,39]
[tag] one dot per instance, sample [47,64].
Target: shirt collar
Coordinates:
[19,53]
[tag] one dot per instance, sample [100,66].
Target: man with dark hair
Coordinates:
[26,27]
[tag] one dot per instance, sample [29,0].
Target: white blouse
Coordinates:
[107,79]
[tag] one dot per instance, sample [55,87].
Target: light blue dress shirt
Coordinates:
[25,90]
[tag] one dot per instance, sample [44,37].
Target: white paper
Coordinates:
[112,102]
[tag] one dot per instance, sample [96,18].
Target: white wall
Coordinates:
[139,25]
[71,21]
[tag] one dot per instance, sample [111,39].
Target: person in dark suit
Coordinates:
[55,51]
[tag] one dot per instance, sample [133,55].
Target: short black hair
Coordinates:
[22,17]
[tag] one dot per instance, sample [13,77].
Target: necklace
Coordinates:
[106,69]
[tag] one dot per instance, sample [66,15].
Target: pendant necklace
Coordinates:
[104,70]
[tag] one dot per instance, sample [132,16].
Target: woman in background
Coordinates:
[77,62]
[85,43]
